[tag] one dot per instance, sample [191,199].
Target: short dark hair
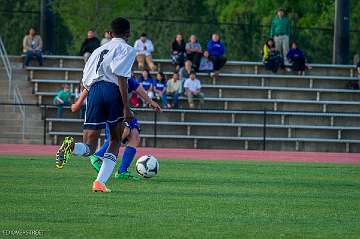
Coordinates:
[192,73]
[120,26]
[143,34]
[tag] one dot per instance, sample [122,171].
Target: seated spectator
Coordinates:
[271,57]
[134,98]
[184,72]
[206,65]
[216,51]
[160,88]
[178,51]
[193,90]
[174,89]
[148,83]
[106,39]
[144,49]
[194,52]
[89,45]
[296,58]
[62,99]
[32,47]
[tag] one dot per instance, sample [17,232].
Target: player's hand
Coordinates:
[127,114]
[75,107]
[155,106]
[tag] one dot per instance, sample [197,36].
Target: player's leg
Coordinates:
[128,156]
[96,159]
[104,147]
[109,159]
[69,147]
[114,115]
[95,118]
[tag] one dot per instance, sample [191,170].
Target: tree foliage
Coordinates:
[13,25]
[243,24]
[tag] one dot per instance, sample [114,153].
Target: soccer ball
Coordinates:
[147,166]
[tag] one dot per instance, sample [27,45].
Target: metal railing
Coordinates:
[19,104]
[7,65]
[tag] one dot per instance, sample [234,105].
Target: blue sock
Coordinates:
[102,150]
[127,158]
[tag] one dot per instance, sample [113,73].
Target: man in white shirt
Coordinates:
[105,78]
[144,49]
[193,89]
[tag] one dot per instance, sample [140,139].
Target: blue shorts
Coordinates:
[134,124]
[104,105]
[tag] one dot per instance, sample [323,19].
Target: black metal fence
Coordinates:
[46,107]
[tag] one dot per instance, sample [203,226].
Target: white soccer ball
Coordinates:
[147,166]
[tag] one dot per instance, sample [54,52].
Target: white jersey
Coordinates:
[112,59]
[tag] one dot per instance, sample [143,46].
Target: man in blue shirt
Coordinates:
[216,51]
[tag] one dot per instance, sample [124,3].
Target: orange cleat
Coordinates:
[100,187]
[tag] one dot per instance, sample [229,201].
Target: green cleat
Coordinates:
[64,152]
[96,162]
[126,176]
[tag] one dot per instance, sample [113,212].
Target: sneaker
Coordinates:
[100,187]
[126,176]
[64,152]
[96,162]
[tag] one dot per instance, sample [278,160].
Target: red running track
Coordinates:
[202,154]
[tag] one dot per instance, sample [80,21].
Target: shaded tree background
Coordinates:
[243,24]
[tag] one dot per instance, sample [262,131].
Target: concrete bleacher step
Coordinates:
[232,91]
[50,61]
[230,117]
[241,86]
[230,66]
[330,82]
[217,103]
[245,143]
[16,124]
[229,130]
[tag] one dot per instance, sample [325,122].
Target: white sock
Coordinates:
[81,149]
[107,167]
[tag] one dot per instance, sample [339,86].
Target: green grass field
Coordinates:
[188,199]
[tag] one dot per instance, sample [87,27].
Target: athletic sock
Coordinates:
[102,150]
[81,149]
[104,147]
[127,158]
[108,165]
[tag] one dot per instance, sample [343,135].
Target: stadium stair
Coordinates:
[11,119]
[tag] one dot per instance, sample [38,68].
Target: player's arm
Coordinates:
[122,81]
[143,94]
[76,106]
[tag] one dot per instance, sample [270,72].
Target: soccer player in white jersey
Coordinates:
[105,77]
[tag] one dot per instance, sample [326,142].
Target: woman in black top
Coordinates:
[178,52]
